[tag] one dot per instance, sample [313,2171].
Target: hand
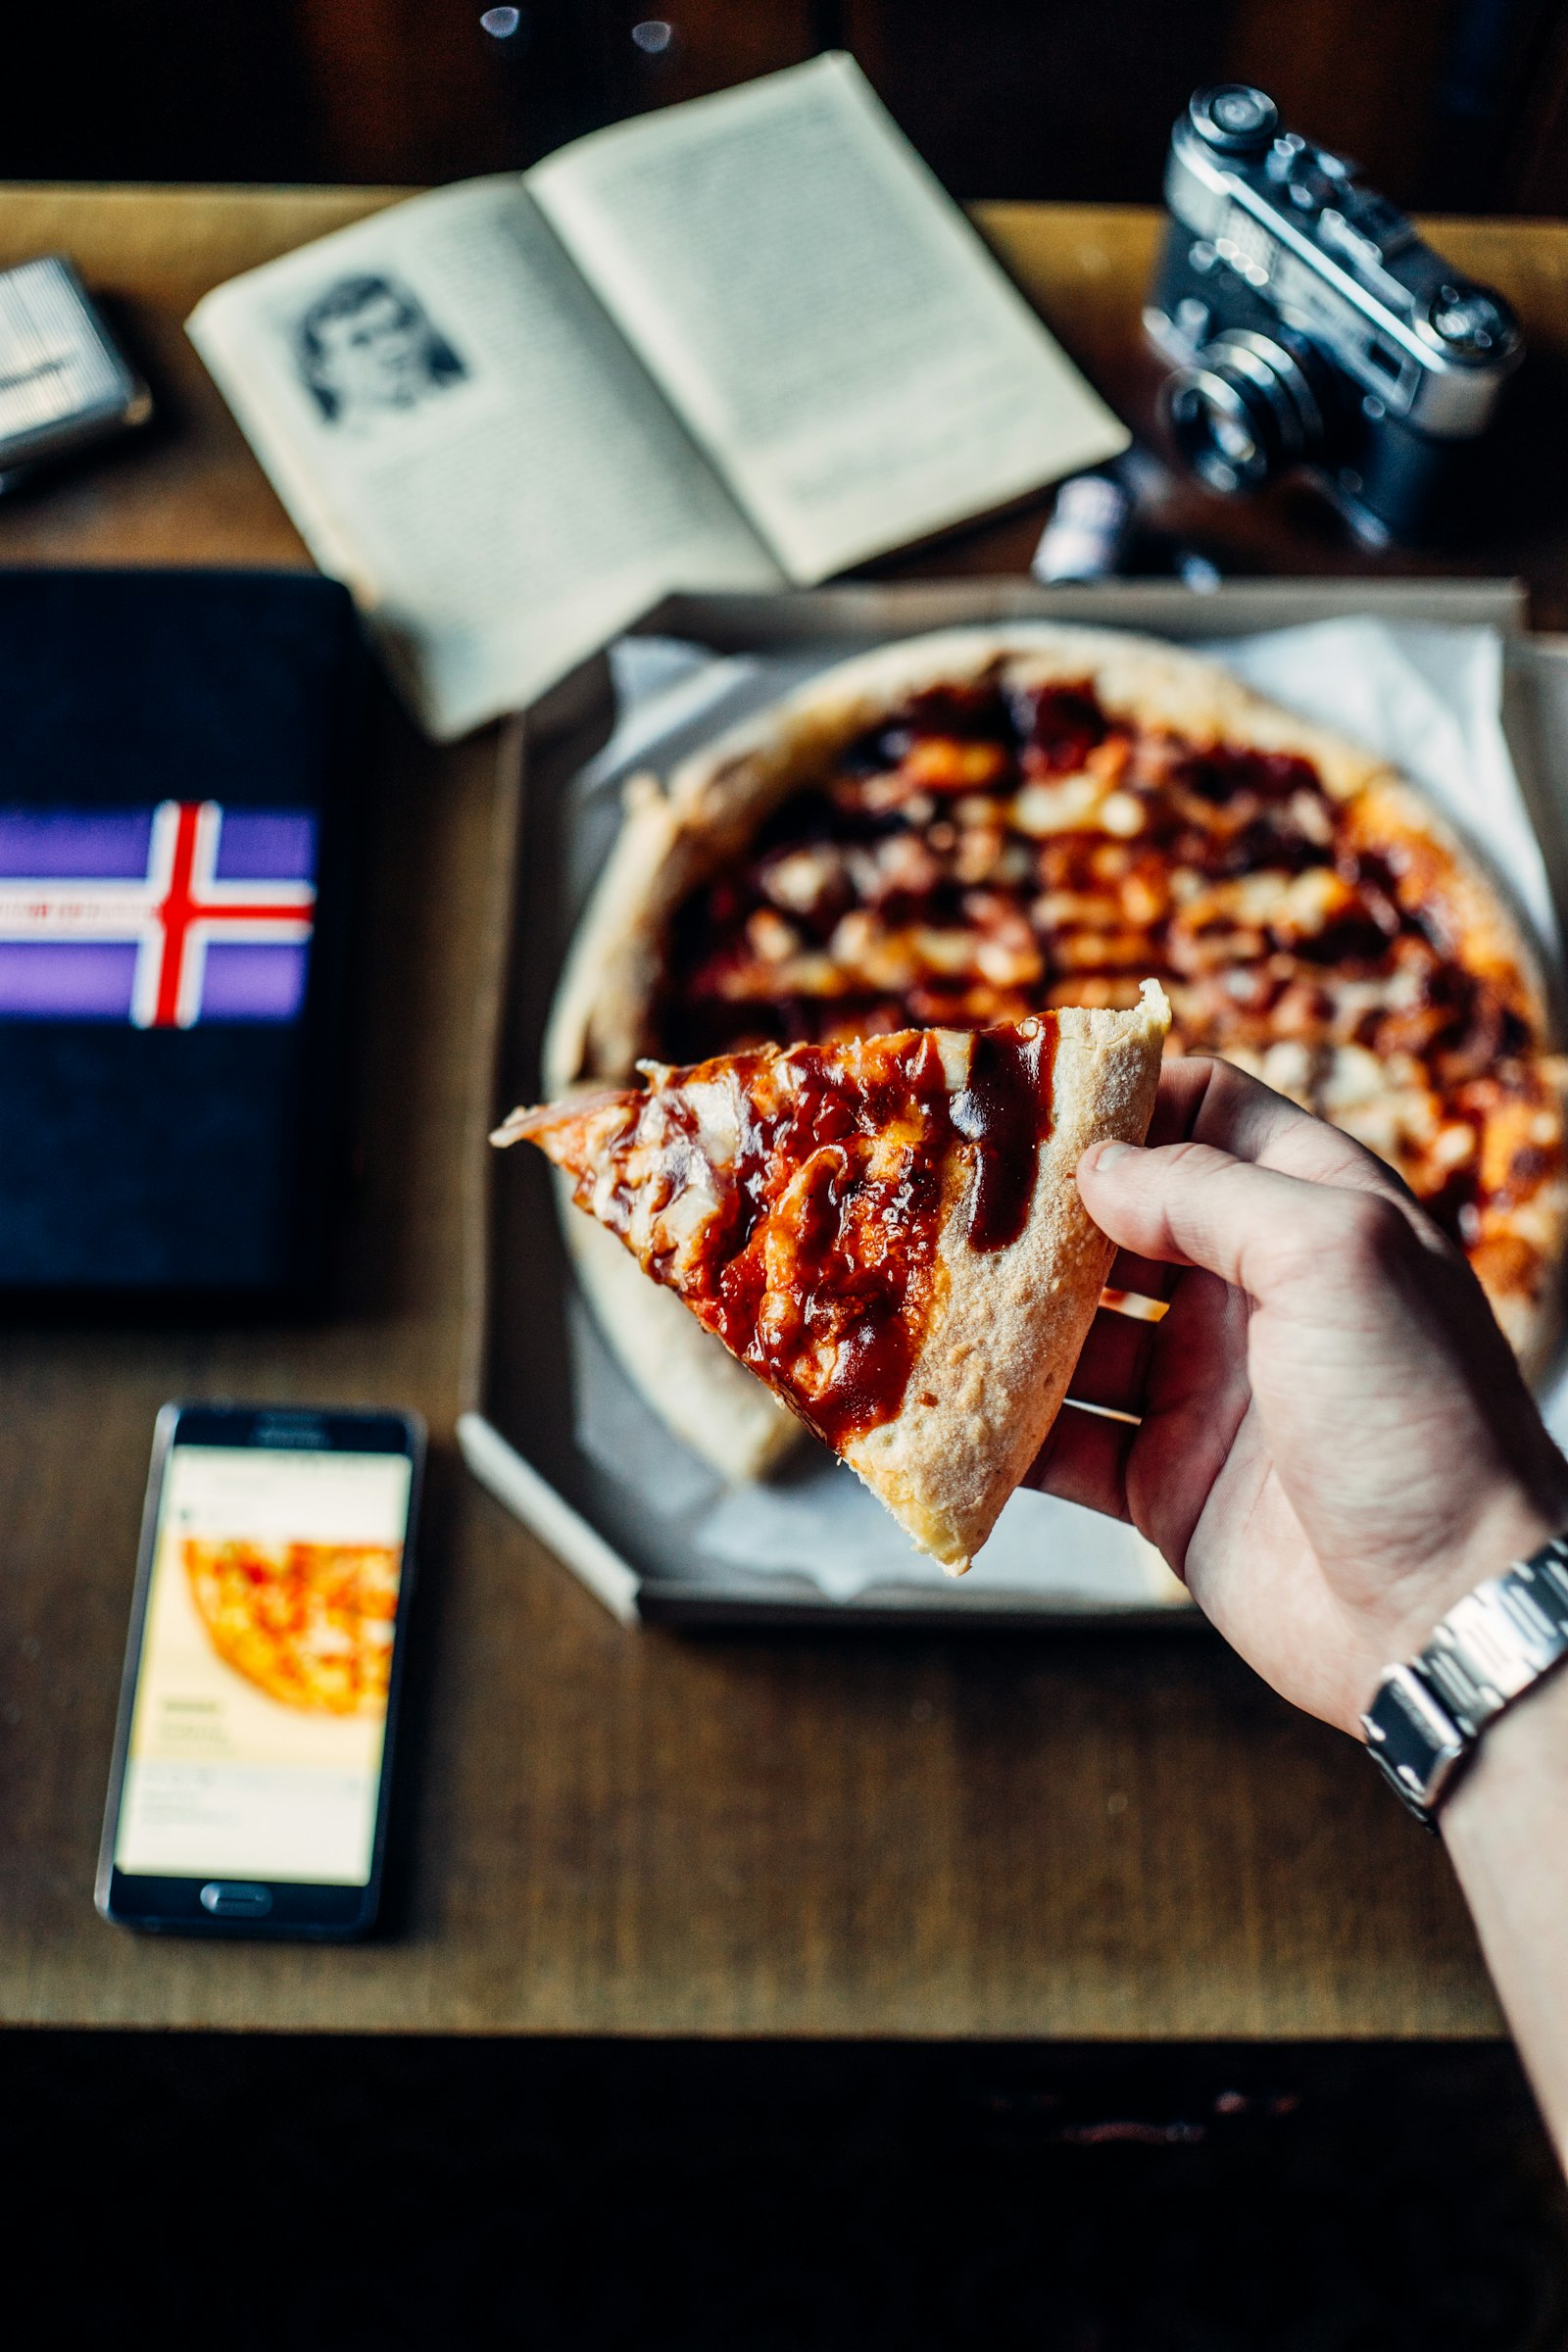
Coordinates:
[1335,1440]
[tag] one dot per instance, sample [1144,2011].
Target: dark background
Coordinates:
[1451,105]
[327,2193]
[560,2197]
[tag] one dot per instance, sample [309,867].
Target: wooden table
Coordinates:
[636,1833]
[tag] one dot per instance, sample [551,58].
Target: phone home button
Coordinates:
[226,1900]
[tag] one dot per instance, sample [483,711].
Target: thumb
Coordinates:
[1192,1205]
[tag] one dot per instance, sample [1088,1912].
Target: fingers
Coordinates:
[1211,1101]
[1213,1127]
[1084,1459]
[1184,1084]
[1205,1100]
[1193,1204]
[1140,1276]
[1113,1365]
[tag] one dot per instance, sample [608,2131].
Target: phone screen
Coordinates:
[259,1714]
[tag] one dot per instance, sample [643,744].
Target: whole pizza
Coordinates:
[987,824]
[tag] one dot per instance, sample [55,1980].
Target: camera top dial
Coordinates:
[1470,323]
[1234,119]
[1308,176]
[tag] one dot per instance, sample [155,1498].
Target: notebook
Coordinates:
[179,757]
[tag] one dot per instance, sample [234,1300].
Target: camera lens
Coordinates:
[1221,431]
[1243,410]
[1234,118]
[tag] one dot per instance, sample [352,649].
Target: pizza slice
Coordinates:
[885,1231]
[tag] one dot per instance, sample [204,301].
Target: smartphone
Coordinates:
[249,1790]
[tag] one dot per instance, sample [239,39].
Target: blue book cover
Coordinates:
[179,754]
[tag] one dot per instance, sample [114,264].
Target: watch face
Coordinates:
[1413,1739]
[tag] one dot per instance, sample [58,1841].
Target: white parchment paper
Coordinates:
[1427,696]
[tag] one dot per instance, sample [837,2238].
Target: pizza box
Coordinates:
[518,1430]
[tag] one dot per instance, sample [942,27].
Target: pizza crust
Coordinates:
[1004,1343]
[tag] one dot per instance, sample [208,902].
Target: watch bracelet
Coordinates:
[1501,1639]
[1489,1648]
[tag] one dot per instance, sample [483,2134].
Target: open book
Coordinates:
[745,341]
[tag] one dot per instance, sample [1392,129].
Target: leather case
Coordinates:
[180,753]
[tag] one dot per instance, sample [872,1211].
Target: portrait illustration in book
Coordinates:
[367,349]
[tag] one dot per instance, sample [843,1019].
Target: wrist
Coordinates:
[1491,1650]
[1520,1763]
[1505,1829]
[1508,1525]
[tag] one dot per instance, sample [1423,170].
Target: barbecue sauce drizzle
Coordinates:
[819,1266]
[1267,810]
[1004,1112]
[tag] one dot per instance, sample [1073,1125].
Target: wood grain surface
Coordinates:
[602,1831]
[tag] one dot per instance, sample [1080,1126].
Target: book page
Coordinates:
[460,433]
[821,315]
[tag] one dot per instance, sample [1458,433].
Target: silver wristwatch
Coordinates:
[1489,1650]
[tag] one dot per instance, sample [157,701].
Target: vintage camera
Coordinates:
[1311,327]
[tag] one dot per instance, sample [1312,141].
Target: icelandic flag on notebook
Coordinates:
[162,917]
